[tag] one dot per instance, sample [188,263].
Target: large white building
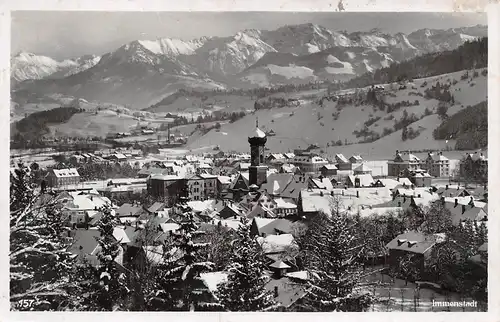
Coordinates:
[309,163]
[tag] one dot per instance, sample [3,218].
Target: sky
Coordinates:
[67,34]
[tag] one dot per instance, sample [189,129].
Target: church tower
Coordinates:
[257,170]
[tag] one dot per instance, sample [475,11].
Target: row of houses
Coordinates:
[437,165]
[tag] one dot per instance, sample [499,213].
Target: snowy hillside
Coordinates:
[327,124]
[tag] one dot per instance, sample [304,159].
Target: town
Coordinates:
[249,162]
[413,205]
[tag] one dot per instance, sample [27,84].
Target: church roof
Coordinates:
[258,133]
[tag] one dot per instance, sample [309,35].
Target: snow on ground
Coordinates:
[312,48]
[257,79]
[291,71]
[351,55]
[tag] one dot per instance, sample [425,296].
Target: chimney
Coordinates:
[357,193]
[332,193]
[463,209]
[276,293]
[456,202]
[446,188]
[321,193]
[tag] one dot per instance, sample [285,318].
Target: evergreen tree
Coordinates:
[113,289]
[180,287]
[245,289]
[40,266]
[332,256]
[404,134]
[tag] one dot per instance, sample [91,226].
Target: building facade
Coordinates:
[62,177]
[437,165]
[309,163]
[401,162]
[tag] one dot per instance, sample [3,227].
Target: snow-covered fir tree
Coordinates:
[104,287]
[179,285]
[245,288]
[40,266]
[113,291]
[332,256]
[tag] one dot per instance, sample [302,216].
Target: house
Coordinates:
[129,210]
[240,186]
[260,211]
[356,159]
[289,156]
[474,166]
[403,161]
[117,157]
[209,185]
[342,162]
[416,245]
[85,246]
[361,180]
[156,208]
[231,210]
[328,170]
[276,183]
[196,187]
[62,177]
[284,208]
[312,202]
[309,162]
[80,209]
[437,165]
[147,171]
[421,179]
[76,159]
[465,208]
[287,292]
[288,168]
[320,183]
[362,169]
[166,187]
[293,188]
[276,158]
[278,244]
[267,226]
[223,183]
[126,181]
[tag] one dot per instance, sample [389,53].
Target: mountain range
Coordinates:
[142,72]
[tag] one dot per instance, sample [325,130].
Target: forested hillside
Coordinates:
[32,127]
[471,55]
[469,127]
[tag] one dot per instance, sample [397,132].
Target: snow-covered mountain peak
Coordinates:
[26,65]
[173,47]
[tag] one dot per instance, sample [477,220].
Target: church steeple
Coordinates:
[257,169]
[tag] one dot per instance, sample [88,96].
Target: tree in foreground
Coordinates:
[104,286]
[40,266]
[333,258]
[179,283]
[245,289]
